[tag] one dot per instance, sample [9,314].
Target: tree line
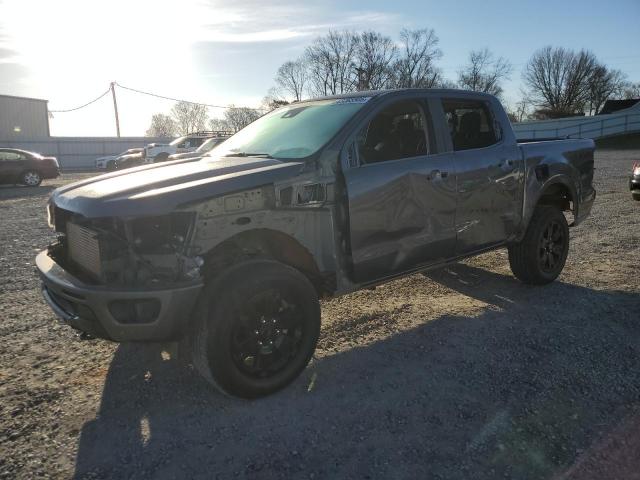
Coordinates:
[557,82]
[187,117]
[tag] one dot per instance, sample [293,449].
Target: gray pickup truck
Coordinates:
[229,254]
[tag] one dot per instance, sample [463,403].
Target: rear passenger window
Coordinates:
[11,156]
[470,124]
[396,132]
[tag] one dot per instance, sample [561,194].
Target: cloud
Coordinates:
[252,22]
[252,37]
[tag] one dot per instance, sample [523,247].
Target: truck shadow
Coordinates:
[517,391]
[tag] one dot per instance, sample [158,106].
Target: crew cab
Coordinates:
[229,254]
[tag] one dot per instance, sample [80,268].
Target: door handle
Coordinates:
[436,175]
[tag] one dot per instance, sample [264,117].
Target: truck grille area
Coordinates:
[84,248]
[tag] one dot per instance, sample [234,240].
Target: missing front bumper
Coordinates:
[89,308]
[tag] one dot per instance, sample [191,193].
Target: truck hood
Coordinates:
[158,189]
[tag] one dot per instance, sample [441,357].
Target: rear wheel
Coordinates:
[257,328]
[540,256]
[31,178]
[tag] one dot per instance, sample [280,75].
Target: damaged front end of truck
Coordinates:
[130,257]
[122,278]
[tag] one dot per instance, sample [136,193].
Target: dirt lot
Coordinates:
[464,374]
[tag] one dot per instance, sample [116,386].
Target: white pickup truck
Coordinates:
[159,152]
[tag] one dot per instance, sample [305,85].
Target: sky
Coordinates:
[227,52]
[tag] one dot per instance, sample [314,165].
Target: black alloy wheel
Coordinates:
[267,333]
[551,247]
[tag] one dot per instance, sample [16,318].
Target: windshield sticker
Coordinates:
[340,101]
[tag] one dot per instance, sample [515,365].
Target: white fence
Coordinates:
[80,153]
[599,126]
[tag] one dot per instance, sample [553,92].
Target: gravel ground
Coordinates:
[465,373]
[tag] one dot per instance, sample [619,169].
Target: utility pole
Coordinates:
[115,107]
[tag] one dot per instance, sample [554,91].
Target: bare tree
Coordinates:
[237,118]
[484,73]
[292,78]
[161,126]
[518,111]
[330,63]
[558,80]
[632,90]
[445,83]
[415,66]
[189,117]
[604,84]
[373,58]
[522,109]
[219,125]
[272,100]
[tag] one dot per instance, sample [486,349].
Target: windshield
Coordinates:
[294,131]
[208,145]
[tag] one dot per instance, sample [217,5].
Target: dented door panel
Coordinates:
[401,214]
[489,196]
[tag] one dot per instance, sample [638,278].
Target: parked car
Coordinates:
[230,253]
[202,150]
[129,160]
[634,182]
[26,168]
[110,162]
[106,162]
[159,152]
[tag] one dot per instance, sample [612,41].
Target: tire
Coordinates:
[31,178]
[161,157]
[256,329]
[540,257]
[636,196]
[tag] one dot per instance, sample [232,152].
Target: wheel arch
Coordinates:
[557,191]
[263,243]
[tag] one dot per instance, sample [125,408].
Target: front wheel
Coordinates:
[257,328]
[31,178]
[540,256]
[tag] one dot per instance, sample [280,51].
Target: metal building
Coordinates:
[23,118]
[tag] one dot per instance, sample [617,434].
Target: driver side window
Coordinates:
[396,132]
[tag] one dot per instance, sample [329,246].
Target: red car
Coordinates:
[26,168]
[634,182]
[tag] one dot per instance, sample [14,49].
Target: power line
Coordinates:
[145,93]
[81,106]
[178,99]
